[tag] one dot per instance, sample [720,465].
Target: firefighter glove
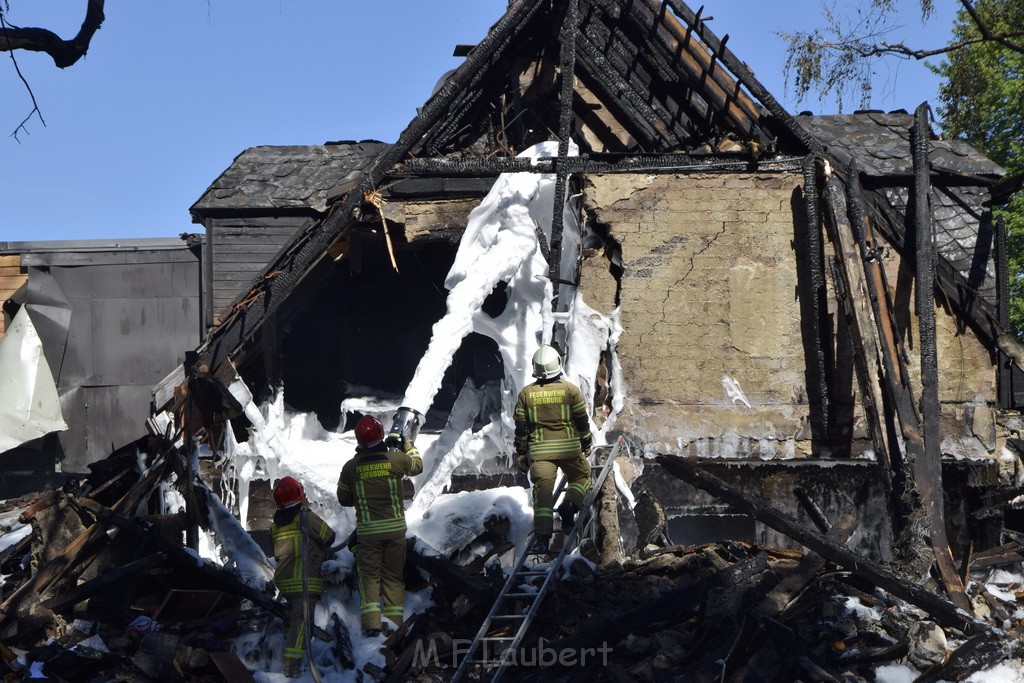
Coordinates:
[523,463]
[394,440]
[585,444]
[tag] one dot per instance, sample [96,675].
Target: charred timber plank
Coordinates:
[81,548]
[927,469]
[977,653]
[866,344]
[942,610]
[643,163]
[1004,554]
[890,344]
[653,129]
[807,568]
[218,577]
[649,70]
[673,52]
[93,586]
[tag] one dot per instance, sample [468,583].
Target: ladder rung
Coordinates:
[520,595]
[509,616]
[532,573]
[497,638]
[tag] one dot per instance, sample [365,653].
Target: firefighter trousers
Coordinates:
[542,474]
[295,636]
[379,565]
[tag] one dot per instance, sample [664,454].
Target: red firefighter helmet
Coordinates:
[369,431]
[288,492]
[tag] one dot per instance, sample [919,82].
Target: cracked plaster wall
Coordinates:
[709,287]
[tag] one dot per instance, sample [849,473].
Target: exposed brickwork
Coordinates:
[709,290]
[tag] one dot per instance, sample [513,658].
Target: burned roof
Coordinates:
[287,177]
[880,143]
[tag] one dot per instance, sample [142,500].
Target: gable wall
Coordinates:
[709,290]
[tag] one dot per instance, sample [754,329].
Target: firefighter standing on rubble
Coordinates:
[372,483]
[301,543]
[552,433]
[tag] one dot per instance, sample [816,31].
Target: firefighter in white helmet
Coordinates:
[552,433]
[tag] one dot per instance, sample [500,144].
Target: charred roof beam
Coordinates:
[649,126]
[624,60]
[739,69]
[662,77]
[651,163]
[674,50]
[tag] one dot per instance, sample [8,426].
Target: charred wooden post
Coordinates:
[928,469]
[1003,371]
[942,610]
[818,293]
[566,77]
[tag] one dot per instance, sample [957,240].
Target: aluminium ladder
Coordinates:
[498,651]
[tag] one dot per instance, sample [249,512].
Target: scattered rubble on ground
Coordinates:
[99,586]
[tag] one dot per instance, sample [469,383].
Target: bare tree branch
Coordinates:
[63,52]
[35,105]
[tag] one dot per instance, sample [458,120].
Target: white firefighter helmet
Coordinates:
[547,364]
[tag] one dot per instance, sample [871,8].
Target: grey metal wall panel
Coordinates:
[102,258]
[128,341]
[101,419]
[127,326]
[131,280]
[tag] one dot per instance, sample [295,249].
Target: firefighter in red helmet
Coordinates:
[372,483]
[301,543]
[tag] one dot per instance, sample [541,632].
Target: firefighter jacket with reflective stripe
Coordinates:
[372,483]
[286,533]
[551,421]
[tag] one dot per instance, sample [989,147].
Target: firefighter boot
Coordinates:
[541,543]
[292,667]
[567,511]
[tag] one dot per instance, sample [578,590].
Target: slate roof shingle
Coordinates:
[295,176]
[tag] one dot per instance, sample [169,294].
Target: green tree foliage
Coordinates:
[982,102]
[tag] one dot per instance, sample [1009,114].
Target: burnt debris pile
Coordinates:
[101,585]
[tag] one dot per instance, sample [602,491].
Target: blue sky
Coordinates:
[172,90]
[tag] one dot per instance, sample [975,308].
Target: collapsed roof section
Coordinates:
[652,89]
[649,78]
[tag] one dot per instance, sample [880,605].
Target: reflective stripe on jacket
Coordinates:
[551,420]
[372,483]
[286,533]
